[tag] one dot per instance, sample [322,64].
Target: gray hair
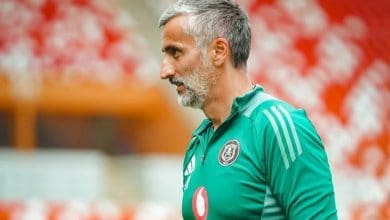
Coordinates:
[210,19]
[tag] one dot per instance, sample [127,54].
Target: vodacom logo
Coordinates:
[200,203]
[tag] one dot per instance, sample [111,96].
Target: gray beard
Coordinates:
[196,87]
[191,99]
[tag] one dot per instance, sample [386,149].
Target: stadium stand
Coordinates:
[84,58]
[332,58]
[80,58]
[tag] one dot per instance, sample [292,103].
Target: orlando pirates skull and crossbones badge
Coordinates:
[229,152]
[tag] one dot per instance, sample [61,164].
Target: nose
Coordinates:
[166,69]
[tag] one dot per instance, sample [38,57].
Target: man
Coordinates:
[254,157]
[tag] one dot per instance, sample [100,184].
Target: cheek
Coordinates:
[187,69]
[191,62]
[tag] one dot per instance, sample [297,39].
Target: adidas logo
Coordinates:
[190,168]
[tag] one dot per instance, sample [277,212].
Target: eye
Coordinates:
[172,51]
[175,54]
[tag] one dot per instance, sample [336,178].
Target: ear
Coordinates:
[219,51]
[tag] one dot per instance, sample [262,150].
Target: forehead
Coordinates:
[173,34]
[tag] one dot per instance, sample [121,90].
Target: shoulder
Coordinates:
[264,106]
[272,115]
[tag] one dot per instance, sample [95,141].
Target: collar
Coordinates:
[240,104]
[243,102]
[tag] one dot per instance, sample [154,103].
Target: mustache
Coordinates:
[176,81]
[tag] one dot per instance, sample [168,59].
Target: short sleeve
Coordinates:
[297,167]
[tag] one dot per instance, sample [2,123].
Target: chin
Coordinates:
[189,102]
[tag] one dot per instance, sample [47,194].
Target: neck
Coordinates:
[218,104]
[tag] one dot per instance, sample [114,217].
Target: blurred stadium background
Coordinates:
[88,131]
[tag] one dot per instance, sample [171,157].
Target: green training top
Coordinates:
[266,161]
